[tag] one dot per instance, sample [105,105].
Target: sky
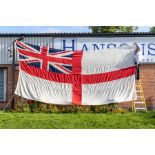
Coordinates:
[52,29]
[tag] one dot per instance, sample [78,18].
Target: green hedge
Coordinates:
[37,107]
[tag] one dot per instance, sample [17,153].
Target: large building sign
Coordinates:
[146,44]
[83,42]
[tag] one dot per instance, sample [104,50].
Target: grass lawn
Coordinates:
[128,120]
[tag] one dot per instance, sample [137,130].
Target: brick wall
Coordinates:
[148,84]
[147,74]
[9,85]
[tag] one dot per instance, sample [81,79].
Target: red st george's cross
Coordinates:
[63,67]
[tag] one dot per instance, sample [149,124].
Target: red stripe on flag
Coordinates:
[109,76]
[76,78]
[62,52]
[29,53]
[24,45]
[47,58]
[44,74]
[86,79]
[44,52]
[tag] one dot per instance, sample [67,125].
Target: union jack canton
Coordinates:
[53,60]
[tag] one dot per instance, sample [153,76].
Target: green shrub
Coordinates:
[25,108]
[67,109]
[19,107]
[86,109]
[72,109]
[52,109]
[92,108]
[101,109]
[112,107]
[33,107]
[120,110]
[37,107]
[42,108]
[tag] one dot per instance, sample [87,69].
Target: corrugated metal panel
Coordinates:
[89,34]
[6,44]
[5,47]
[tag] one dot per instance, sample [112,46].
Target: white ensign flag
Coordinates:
[75,77]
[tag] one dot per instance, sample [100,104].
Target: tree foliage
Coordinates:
[112,29]
[152,29]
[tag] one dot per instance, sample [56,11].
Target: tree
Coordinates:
[112,29]
[152,29]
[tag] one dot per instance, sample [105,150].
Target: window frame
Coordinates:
[5,84]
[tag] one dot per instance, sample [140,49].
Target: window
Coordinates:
[3,76]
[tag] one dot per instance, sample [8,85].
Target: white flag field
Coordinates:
[75,77]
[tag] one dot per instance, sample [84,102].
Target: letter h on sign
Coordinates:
[68,47]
